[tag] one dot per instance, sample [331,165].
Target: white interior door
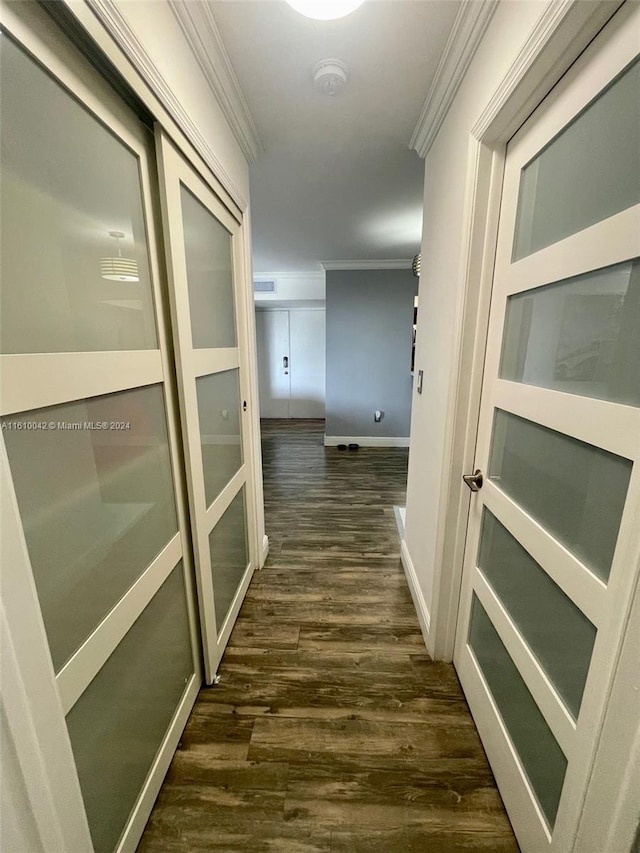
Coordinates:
[274,377]
[205,260]
[307,346]
[553,548]
[96,573]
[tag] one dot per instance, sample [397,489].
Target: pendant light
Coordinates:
[119,268]
[325,10]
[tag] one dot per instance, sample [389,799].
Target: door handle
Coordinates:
[285,362]
[474,481]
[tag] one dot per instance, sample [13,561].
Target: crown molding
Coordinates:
[468,28]
[563,31]
[203,36]
[111,18]
[382,264]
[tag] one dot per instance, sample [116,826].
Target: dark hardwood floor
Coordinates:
[331,731]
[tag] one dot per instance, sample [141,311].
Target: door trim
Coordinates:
[562,32]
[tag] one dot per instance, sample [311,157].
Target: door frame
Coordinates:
[560,35]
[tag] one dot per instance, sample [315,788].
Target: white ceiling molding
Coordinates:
[201,31]
[123,35]
[383,264]
[467,31]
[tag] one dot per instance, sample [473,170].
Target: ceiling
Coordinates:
[336,180]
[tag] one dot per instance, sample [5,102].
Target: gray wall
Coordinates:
[369,322]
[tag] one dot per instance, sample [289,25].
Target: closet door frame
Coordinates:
[35,700]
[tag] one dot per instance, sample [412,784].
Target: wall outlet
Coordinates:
[378,416]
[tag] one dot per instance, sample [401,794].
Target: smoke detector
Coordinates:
[329,76]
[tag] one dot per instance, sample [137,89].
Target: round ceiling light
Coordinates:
[325,10]
[330,76]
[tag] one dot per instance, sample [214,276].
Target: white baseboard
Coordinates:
[416,593]
[265,550]
[400,513]
[366,440]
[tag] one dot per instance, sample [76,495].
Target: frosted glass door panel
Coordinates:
[541,756]
[576,491]
[209,276]
[580,336]
[119,722]
[63,190]
[220,435]
[547,619]
[589,172]
[95,491]
[229,555]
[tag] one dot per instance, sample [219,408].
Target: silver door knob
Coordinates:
[474,481]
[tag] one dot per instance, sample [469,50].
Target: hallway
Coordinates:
[331,731]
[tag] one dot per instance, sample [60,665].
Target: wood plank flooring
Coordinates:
[331,730]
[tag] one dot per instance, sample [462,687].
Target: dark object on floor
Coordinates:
[342,447]
[354,446]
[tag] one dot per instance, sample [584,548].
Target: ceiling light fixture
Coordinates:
[325,10]
[119,269]
[329,76]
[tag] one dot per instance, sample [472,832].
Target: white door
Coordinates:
[307,347]
[553,544]
[274,378]
[208,305]
[291,362]
[96,572]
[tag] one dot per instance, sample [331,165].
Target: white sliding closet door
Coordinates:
[553,544]
[96,580]
[206,269]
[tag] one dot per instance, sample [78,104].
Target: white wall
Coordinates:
[160,35]
[292,287]
[441,283]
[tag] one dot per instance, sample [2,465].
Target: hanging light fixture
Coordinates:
[119,268]
[325,10]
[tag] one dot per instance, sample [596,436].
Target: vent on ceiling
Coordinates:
[264,286]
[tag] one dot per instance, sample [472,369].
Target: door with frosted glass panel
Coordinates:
[89,434]
[553,545]
[205,259]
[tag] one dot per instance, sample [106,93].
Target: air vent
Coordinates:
[264,286]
